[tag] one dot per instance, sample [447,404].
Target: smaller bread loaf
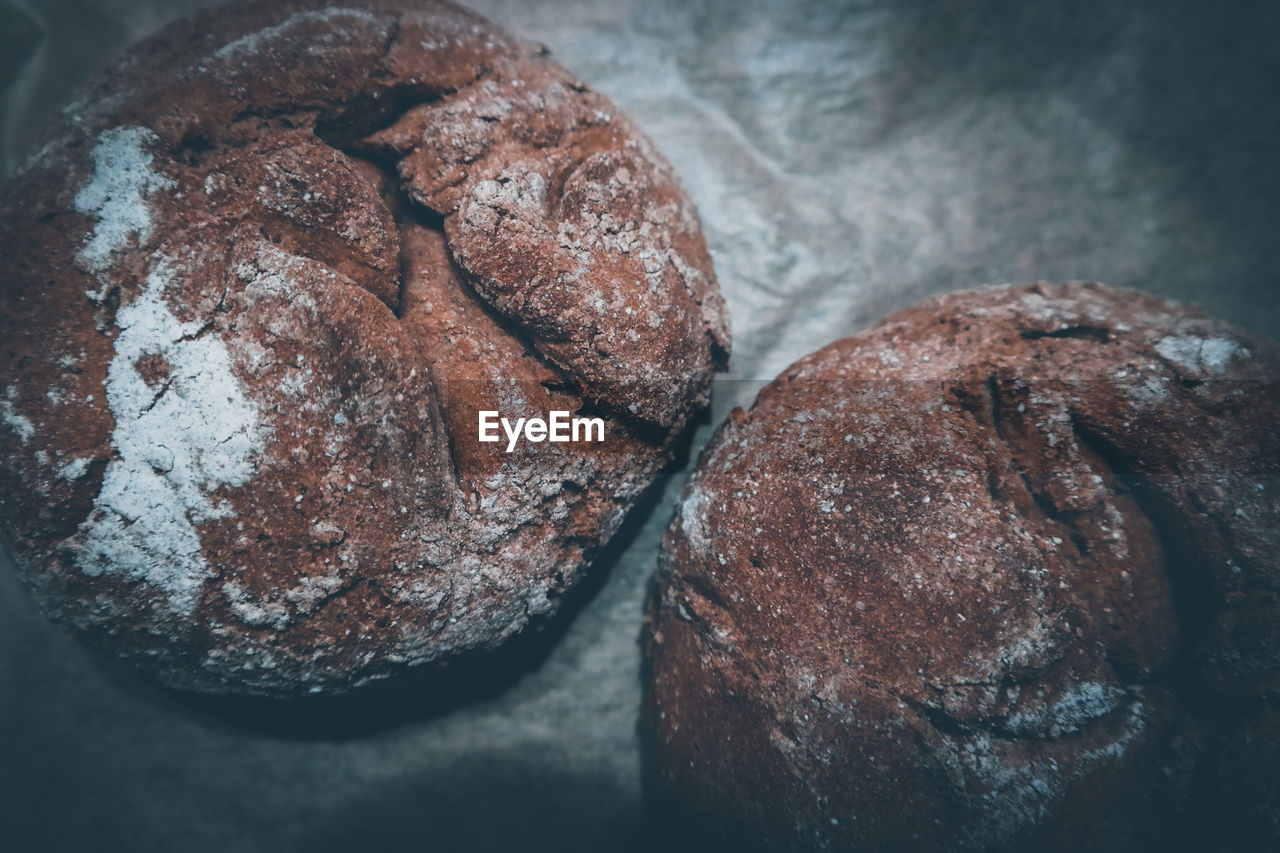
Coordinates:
[256,292]
[1000,573]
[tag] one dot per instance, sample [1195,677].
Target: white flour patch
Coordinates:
[274,273]
[258,615]
[116,196]
[178,441]
[1014,791]
[74,470]
[251,43]
[1149,391]
[16,422]
[692,515]
[1201,355]
[1077,706]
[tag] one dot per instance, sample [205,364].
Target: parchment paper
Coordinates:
[847,159]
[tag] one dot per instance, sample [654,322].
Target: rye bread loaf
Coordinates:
[255,290]
[1000,573]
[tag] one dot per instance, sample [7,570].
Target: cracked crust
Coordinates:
[999,573]
[256,289]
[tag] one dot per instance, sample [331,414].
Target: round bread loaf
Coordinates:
[257,289]
[998,574]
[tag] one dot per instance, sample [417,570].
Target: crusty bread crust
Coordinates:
[999,573]
[255,290]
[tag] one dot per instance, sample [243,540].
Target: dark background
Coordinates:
[847,160]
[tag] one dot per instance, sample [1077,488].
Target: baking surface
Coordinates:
[847,160]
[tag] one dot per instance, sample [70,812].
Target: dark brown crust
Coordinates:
[358,225]
[998,573]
